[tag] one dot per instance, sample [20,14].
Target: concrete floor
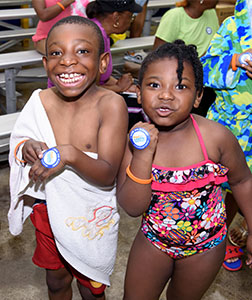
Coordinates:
[20,279]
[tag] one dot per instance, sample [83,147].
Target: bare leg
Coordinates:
[87,295]
[148,271]
[193,275]
[59,284]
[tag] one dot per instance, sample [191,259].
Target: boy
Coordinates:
[83,128]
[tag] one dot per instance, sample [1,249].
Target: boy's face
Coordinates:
[166,102]
[73,61]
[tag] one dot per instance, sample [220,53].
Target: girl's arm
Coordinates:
[239,179]
[132,196]
[119,85]
[47,13]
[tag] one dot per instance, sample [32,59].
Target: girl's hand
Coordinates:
[249,251]
[32,150]
[153,132]
[40,173]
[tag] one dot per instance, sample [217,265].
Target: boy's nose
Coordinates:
[68,60]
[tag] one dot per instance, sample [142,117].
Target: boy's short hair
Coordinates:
[183,53]
[80,21]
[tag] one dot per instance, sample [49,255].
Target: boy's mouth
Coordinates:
[70,77]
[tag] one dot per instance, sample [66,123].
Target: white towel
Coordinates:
[84,218]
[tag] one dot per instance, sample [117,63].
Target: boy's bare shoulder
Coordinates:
[110,100]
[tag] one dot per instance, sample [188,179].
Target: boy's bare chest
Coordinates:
[79,128]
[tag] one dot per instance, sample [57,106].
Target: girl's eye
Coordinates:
[154,85]
[180,87]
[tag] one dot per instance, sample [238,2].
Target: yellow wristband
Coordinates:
[136,179]
[61,5]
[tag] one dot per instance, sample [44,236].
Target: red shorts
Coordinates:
[46,254]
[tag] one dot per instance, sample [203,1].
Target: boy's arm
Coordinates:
[111,138]
[110,145]
[135,197]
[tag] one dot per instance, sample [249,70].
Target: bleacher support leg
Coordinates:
[11,99]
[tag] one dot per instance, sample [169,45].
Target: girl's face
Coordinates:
[165,101]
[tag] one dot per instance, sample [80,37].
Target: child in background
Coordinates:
[51,11]
[175,182]
[70,189]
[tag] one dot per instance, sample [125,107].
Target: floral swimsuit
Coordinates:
[187,211]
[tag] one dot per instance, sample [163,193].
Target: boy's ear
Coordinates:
[104,61]
[198,99]
[138,92]
[44,59]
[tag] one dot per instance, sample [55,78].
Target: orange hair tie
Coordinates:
[16,149]
[61,5]
[136,179]
[233,62]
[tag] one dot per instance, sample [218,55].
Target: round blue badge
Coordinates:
[51,158]
[139,138]
[245,55]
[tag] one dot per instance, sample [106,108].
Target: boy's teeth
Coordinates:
[69,78]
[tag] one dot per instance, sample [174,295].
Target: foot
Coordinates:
[232,260]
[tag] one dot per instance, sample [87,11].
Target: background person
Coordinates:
[232,82]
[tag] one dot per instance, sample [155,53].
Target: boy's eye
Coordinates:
[82,51]
[180,87]
[55,53]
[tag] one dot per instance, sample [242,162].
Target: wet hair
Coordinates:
[79,21]
[183,53]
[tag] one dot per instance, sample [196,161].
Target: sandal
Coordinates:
[238,235]
[233,252]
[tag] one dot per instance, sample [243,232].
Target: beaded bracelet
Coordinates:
[233,62]
[136,179]
[61,5]
[16,149]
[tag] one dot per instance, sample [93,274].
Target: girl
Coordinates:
[175,182]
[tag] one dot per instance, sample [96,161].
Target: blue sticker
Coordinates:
[139,138]
[51,158]
[245,55]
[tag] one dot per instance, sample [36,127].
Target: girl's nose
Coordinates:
[166,94]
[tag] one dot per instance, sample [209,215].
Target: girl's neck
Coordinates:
[185,124]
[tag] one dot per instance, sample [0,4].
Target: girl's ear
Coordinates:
[198,99]
[104,61]
[138,92]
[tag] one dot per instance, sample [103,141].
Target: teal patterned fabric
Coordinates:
[233,104]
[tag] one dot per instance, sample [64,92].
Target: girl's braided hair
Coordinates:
[183,53]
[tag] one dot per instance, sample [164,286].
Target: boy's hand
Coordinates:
[249,251]
[153,132]
[32,150]
[39,173]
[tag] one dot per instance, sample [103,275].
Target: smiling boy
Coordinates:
[83,127]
